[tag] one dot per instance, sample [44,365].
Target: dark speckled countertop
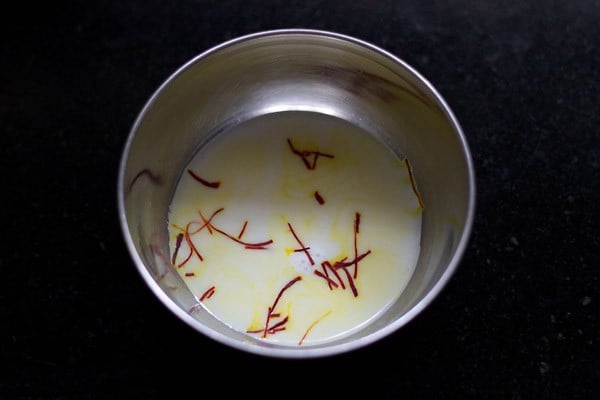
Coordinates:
[520,319]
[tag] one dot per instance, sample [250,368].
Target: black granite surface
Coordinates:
[519,319]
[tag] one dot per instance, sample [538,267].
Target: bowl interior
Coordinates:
[297,71]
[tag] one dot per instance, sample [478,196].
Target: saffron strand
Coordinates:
[302,246]
[212,185]
[305,154]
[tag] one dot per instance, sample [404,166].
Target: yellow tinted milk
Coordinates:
[296,228]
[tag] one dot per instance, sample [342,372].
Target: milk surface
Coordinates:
[296,227]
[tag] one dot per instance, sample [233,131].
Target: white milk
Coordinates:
[262,181]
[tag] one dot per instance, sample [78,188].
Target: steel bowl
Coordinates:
[296,70]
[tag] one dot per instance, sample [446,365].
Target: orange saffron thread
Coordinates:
[239,236]
[213,185]
[344,264]
[278,326]
[207,223]
[177,246]
[351,282]
[193,249]
[319,198]
[188,239]
[189,256]
[338,277]
[246,244]
[341,264]
[414,184]
[302,246]
[305,154]
[208,293]
[311,326]
[330,281]
[327,276]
